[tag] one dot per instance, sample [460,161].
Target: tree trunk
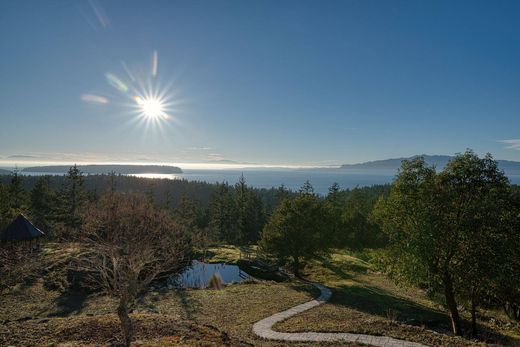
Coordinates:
[126,323]
[452,305]
[512,310]
[473,314]
[296,266]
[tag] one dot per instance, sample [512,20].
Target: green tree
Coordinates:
[334,206]
[249,212]
[478,194]
[295,231]
[361,230]
[72,198]
[222,214]
[307,188]
[438,224]
[42,204]
[5,215]
[190,213]
[505,289]
[17,195]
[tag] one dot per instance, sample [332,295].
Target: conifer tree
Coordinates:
[295,231]
[72,198]
[222,214]
[42,204]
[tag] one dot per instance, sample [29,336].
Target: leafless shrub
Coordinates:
[126,244]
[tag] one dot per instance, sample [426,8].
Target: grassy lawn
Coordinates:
[363,302]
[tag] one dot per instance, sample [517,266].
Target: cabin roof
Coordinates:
[20,229]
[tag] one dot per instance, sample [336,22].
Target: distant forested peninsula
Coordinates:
[104,169]
[440,161]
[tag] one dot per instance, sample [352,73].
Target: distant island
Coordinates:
[4,172]
[104,169]
[440,161]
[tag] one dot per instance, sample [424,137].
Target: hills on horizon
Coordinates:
[439,161]
[384,165]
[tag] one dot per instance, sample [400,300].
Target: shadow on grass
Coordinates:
[344,271]
[376,301]
[305,288]
[68,303]
[380,302]
[189,305]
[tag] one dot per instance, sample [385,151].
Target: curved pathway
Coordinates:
[264,327]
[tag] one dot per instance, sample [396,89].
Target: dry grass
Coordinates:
[150,330]
[224,254]
[363,302]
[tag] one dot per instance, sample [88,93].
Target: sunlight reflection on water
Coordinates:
[159,176]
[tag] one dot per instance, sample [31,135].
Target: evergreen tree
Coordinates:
[242,207]
[361,230]
[295,231]
[249,212]
[334,207]
[17,196]
[307,188]
[72,198]
[5,215]
[222,214]
[42,204]
[190,213]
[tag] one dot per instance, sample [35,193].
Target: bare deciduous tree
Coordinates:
[127,243]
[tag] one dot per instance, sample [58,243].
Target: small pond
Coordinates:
[199,274]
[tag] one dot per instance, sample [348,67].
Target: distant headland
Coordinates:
[439,161]
[107,168]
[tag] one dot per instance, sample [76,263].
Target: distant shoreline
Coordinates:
[106,169]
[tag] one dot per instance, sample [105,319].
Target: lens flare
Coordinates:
[94,99]
[115,82]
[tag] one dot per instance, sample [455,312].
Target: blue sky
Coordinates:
[275,82]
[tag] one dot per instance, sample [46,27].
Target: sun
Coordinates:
[151,108]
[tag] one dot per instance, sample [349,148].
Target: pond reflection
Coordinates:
[199,274]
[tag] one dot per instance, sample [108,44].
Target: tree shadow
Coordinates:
[340,271]
[188,304]
[68,303]
[377,301]
[305,288]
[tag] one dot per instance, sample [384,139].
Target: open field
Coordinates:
[363,302]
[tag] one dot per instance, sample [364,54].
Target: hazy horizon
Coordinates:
[24,162]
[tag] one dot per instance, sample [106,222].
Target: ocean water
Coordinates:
[321,180]
[292,179]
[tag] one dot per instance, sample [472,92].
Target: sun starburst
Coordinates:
[151,107]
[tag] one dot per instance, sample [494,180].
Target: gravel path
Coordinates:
[264,329]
